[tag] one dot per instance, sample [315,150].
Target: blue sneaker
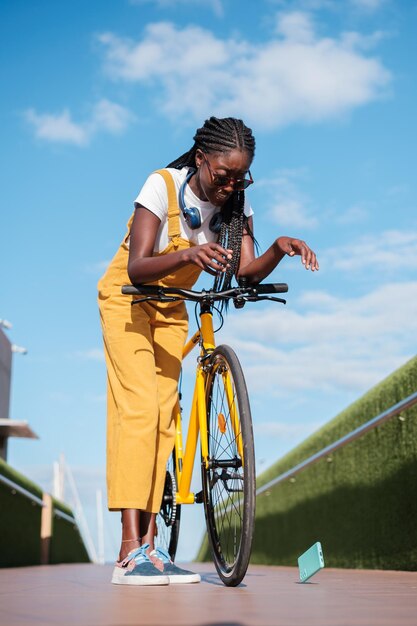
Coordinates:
[137,569]
[175,574]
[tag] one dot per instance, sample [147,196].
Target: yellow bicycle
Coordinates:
[220,414]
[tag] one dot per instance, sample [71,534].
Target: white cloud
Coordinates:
[363,42]
[109,116]
[291,212]
[353,215]
[61,128]
[290,206]
[165,52]
[387,252]
[57,128]
[295,76]
[333,344]
[296,26]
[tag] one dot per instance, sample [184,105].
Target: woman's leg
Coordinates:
[130,531]
[169,335]
[138,528]
[132,417]
[147,527]
[132,407]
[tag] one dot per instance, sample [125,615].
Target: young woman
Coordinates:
[192,216]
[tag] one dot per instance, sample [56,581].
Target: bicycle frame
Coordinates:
[198,416]
[204,337]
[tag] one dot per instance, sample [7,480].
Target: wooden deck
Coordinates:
[270,596]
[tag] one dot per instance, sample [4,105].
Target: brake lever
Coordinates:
[281,300]
[140,300]
[257,298]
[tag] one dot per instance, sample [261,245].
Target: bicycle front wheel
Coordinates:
[229,479]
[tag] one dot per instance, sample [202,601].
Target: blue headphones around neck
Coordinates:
[192,215]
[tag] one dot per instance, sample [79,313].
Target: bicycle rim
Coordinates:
[229,481]
[169,517]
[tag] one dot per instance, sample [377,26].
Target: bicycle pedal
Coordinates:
[198,497]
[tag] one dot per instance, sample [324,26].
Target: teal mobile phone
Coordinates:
[310,562]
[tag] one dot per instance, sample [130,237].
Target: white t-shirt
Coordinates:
[154,197]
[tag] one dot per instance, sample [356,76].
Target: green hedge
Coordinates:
[20,526]
[362,502]
[20,521]
[67,545]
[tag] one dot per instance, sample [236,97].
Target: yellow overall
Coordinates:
[143,348]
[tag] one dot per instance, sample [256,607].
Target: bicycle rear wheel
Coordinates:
[229,480]
[169,517]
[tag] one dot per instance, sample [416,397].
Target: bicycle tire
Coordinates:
[228,483]
[168,519]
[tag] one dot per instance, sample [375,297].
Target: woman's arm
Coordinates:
[255,269]
[143,267]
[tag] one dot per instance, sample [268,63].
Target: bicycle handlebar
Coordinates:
[243,293]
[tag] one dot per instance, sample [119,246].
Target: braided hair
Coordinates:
[223,135]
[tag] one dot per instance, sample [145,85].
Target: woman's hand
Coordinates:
[297,247]
[211,257]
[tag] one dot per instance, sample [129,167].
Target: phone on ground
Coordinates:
[310,562]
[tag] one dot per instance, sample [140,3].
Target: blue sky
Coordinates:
[98,94]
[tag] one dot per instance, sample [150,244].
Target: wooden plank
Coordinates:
[65,595]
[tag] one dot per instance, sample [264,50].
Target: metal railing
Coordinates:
[403,405]
[16,488]
[65,516]
[19,489]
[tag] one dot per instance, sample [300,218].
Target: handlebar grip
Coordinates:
[271,288]
[132,290]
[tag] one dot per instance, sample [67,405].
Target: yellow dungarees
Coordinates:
[143,349]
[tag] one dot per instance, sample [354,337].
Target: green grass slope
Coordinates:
[20,526]
[361,503]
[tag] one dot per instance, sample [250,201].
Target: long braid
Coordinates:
[230,238]
[223,135]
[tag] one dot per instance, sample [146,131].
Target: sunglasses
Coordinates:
[220,180]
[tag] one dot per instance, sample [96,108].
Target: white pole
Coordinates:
[79,512]
[62,476]
[56,490]
[100,526]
